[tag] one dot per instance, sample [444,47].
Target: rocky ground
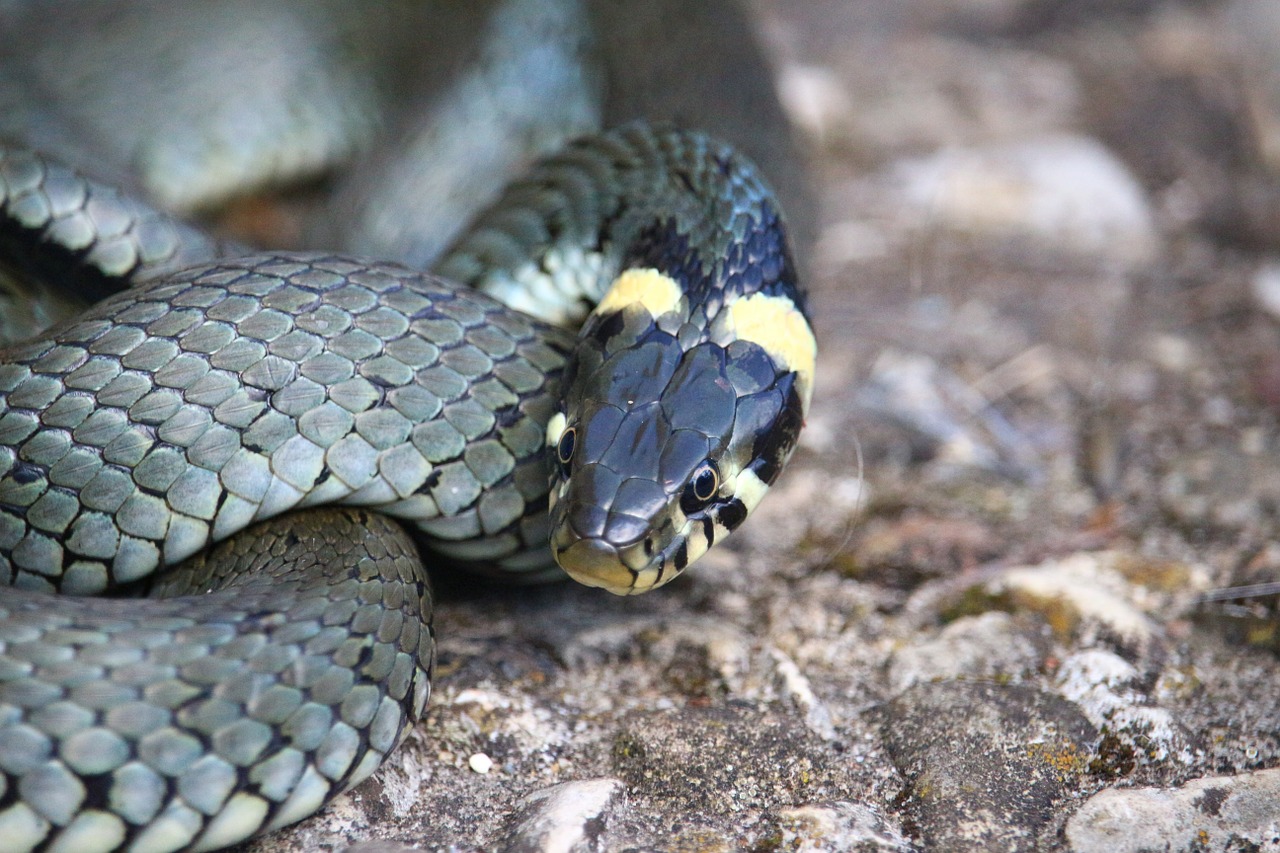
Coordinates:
[979,611]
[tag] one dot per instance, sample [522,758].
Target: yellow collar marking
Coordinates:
[778,327]
[749,489]
[656,292]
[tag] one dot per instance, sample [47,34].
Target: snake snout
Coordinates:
[601,535]
[593,562]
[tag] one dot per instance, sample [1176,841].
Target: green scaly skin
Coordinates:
[194,408]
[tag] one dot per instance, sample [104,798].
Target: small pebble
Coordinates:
[565,818]
[1266,287]
[480,762]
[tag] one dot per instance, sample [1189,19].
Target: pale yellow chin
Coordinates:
[595,564]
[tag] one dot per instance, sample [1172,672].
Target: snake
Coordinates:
[605,374]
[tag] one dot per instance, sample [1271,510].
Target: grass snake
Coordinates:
[253,423]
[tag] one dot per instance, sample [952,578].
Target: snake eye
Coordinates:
[564,449]
[701,489]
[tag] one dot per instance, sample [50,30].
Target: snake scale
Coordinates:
[251,425]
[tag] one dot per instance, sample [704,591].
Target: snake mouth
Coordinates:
[595,562]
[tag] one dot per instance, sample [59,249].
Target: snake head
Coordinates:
[674,425]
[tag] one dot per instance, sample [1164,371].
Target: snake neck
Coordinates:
[678,201]
[694,369]
[564,243]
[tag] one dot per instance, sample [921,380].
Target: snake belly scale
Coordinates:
[233,439]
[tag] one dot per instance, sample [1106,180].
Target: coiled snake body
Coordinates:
[170,424]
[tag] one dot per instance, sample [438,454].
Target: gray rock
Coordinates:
[1265,287]
[566,818]
[1254,26]
[1083,595]
[990,646]
[1065,193]
[925,91]
[731,759]
[838,826]
[1108,689]
[1213,813]
[987,767]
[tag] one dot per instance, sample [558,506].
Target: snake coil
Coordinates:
[251,424]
